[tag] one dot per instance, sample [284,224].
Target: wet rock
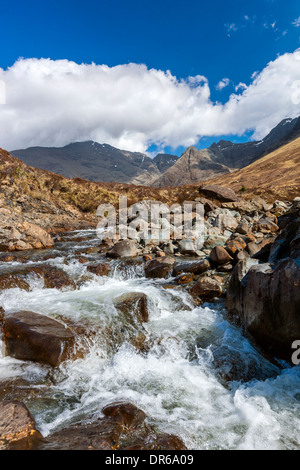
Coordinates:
[13,281]
[82,259]
[238,365]
[266,302]
[123,249]
[125,413]
[218,192]
[92,250]
[220,256]
[206,289]
[197,267]
[100,269]
[123,427]
[17,427]
[30,336]
[159,268]
[184,278]
[19,277]
[133,304]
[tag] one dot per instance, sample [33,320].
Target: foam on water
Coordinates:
[175,383]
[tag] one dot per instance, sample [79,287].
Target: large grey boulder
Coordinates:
[218,192]
[123,249]
[266,303]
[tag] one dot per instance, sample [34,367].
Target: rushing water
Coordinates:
[174,382]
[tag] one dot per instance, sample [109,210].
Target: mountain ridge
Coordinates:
[225,157]
[97,162]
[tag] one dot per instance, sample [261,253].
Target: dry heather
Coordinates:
[17,180]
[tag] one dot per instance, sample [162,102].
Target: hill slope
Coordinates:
[224,157]
[274,176]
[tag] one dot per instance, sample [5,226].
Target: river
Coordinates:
[173,380]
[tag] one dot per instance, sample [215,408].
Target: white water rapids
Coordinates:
[175,382]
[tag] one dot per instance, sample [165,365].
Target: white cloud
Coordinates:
[296,22]
[129,106]
[231,27]
[223,84]
[241,86]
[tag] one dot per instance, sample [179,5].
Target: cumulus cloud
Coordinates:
[53,103]
[223,84]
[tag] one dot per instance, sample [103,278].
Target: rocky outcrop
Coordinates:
[29,336]
[25,236]
[265,298]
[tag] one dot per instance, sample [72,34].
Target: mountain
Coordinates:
[164,161]
[92,161]
[102,162]
[224,157]
[274,176]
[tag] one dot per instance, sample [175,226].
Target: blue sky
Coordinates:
[216,39]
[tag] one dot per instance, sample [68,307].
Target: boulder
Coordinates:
[17,427]
[206,289]
[159,267]
[133,304]
[100,269]
[242,228]
[19,277]
[220,256]
[207,203]
[235,246]
[265,226]
[218,192]
[26,236]
[122,427]
[197,267]
[256,248]
[187,247]
[29,336]
[234,364]
[265,301]
[185,278]
[226,222]
[123,249]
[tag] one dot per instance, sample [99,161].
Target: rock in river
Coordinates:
[30,336]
